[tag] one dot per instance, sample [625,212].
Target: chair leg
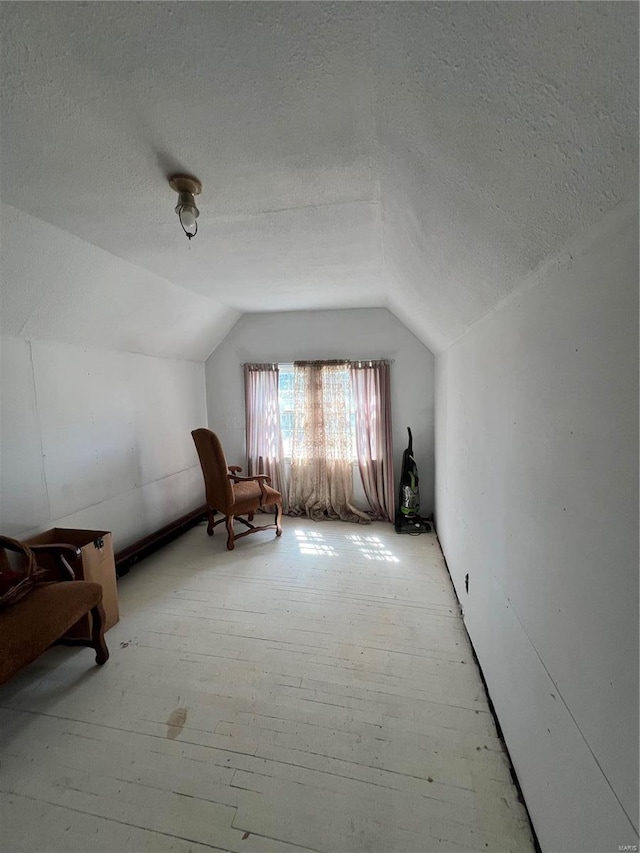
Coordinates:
[250,516]
[230,534]
[279,518]
[210,517]
[97,634]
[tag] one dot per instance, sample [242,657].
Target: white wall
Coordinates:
[99,386]
[96,439]
[537,501]
[351,334]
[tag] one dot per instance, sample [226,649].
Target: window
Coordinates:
[286,405]
[333,416]
[285,402]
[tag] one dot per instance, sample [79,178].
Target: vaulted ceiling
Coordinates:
[426,157]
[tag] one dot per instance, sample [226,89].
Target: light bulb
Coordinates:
[188,219]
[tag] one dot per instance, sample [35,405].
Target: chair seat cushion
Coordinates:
[31,625]
[247,497]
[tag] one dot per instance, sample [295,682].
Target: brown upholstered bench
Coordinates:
[45,614]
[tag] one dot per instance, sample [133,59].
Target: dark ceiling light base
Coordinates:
[185,184]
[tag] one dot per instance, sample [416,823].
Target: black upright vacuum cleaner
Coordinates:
[407,518]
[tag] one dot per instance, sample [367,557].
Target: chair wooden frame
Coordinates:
[221,481]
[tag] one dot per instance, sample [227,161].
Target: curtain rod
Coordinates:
[272,365]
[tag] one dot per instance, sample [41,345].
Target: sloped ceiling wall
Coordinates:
[504,128]
[59,287]
[422,157]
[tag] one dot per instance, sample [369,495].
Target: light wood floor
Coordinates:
[314,692]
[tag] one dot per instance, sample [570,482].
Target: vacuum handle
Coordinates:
[410,440]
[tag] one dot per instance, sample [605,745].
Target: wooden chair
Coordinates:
[230,494]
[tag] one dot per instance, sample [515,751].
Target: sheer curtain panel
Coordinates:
[370,383]
[264,437]
[321,484]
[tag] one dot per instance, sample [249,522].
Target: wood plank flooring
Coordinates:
[313,692]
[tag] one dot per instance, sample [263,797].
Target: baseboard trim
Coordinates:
[148,544]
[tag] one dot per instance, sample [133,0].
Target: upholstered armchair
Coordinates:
[229,493]
[38,606]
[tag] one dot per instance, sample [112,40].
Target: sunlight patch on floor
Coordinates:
[373,548]
[310,542]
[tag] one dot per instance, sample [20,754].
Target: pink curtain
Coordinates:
[372,398]
[264,437]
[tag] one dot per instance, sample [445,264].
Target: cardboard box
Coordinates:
[96,564]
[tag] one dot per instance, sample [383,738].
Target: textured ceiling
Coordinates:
[421,156]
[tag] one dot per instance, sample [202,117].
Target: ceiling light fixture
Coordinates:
[187,187]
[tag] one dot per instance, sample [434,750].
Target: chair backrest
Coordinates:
[218,487]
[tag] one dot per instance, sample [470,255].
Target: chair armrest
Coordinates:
[256,477]
[260,479]
[61,554]
[234,468]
